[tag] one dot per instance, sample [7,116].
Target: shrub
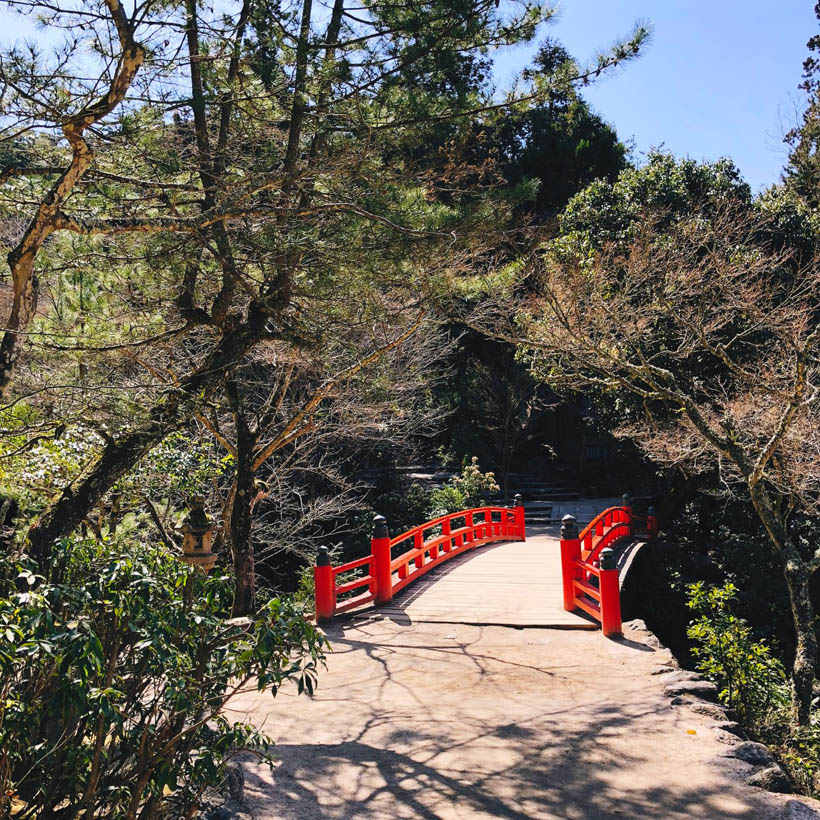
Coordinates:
[465,491]
[751,680]
[114,678]
[474,485]
[447,499]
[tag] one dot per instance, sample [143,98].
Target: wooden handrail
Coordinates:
[587,562]
[386,574]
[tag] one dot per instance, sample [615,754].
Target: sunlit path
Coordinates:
[473,694]
[447,722]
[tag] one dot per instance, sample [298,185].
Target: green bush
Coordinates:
[115,675]
[474,485]
[751,680]
[464,492]
[446,500]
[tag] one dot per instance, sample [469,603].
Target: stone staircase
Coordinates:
[541,497]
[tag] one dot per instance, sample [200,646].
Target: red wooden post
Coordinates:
[488,525]
[627,501]
[380,566]
[459,539]
[324,587]
[610,595]
[418,543]
[434,549]
[446,529]
[570,553]
[520,523]
[468,523]
[651,524]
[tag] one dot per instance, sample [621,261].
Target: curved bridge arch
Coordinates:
[525,584]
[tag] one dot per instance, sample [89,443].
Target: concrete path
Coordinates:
[449,722]
[416,718]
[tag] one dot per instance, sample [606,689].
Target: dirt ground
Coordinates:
[449,722]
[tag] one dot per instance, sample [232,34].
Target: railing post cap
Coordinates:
[518,500]
[607,559]
[627,499]
[569,527]
[650,510]
[322,557]
[380,527]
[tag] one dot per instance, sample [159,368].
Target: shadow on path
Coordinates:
[450,722]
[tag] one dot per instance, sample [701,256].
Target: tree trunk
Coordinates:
[241,520]
[805,656]
[173,409]
[797,579]
[22,312]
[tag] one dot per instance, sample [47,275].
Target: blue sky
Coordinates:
[718,79]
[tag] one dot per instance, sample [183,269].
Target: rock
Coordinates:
[217,813]
[662,670]
[795,810]
[235,781]
[701,688]
[728,738]
[636,625]
[702,707]
[771,778]
[231,810]
[681,675]
[651,639]
[754,753]
[732,727]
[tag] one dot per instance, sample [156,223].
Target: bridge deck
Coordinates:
[508,584]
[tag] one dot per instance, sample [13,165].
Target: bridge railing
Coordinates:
[394,563]
[589,571]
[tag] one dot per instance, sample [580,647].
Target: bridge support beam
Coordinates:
[324,587]
[380,566]
[570,554]
[520,523]
[610,595]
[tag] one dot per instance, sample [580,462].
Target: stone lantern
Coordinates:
[198,532]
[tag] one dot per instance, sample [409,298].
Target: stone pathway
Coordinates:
[449,721]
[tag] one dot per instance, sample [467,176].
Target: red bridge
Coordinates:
[585,564]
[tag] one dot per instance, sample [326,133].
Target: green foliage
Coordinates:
[403,503]
[181,466]
[564,147]
[613,211]
[305,589]
[751,680]
[470,489]
[115,675]
[445,500]
[474,485]
[32,471]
